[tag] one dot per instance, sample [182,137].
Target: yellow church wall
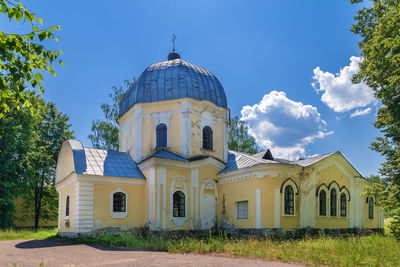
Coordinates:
[102,206]
[22,220]
[68,190]
[246,189]
[370,223]
[175,132]
[178,185]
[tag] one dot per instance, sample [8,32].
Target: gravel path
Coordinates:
[64,253]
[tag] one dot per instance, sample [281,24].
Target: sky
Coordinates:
[286,66]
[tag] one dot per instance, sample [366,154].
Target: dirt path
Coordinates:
[64,253]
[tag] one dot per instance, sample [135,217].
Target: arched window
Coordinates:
[333,203]
[289,200]
[119,202]
[343,205]
[161,132]
[322,203]
[207,138]
[179,204]
[67,207]
[370,208]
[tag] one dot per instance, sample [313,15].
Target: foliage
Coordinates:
[379,28]
[372,250]
[23,234]
[30,143]
[239,138]
[105,133]
[23,57]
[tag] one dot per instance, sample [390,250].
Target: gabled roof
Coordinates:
[311,160]
[239,160]
[102,162]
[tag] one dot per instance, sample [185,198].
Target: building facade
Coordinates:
[174,170]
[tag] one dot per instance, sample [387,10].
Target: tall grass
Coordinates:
[42,233]
[372,250]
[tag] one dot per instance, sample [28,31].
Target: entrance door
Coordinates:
[208,204]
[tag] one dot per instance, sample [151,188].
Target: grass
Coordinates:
[372,250]
[23,234]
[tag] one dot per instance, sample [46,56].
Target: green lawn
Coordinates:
[42,233]
[372,250]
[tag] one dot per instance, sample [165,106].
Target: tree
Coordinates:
[51,129]
[239,138]
[379,28]
[30,143]
[105,133]
[23,58]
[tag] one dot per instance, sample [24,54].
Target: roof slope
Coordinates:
[103,162]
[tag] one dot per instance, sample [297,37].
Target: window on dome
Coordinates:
[207,138]
[161,132]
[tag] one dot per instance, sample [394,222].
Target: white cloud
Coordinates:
[340,94]
[360,112]
[283,125]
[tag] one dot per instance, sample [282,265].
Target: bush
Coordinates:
[394,227]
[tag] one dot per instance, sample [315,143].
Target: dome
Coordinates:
[173,79]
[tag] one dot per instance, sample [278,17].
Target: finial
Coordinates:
[173,42]
[173,55]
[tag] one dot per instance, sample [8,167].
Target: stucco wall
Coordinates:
[62,193]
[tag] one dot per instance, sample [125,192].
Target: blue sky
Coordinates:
[280,59]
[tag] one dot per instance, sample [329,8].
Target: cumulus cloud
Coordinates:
[283,125]
[360,112]
[339,93]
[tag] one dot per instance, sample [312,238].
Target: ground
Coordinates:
[56,252]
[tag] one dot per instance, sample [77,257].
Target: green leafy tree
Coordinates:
[23,57]
[51,129]
[30,143]
[105,133]
[239,138]
[379,28]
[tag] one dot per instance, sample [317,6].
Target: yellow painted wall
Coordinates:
[102,206]
[21,221]
[370,223]
[245,189]
[68,190]
[334,172]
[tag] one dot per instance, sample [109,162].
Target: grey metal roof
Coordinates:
[311,160]
[173,79]
[238,160]
[168,155]
[103,162]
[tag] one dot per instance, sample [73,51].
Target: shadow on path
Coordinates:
[48,243]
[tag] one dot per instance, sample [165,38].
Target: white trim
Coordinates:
[179,164]
[186,125]
[118,214]
[258,208]
[277,208]
[161,180]
[194,181]
[207,119]
[226,135]
[178,221]
[151,193]
[138,133]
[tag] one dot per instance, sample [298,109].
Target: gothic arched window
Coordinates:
[289,200]
[67,207]
[343,205]
[119,202]
[333,202]
[207,138]
[179,204]
[322,203]
[370,208]
[161,133]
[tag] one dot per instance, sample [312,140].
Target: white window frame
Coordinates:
[289,181]
[118,214]
[69,207]
[207,119]
[159,118]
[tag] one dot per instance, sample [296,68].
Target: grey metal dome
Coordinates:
[173,79]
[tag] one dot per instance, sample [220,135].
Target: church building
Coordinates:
[174,170]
